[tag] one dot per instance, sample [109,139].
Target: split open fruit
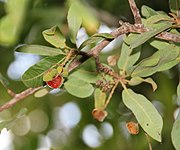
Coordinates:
[56,82]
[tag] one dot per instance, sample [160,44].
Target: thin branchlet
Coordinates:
[124,28]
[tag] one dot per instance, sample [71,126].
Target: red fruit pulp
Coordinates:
[55,83]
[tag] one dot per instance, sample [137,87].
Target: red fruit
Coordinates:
[56,82]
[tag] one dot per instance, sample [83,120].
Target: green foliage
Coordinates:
[55,37]
[33,77]
[175,134]
[88,76]
[99,98]
[79,15]
[138,80]
[92,40]
[133,63]
[178,92]
[95,39]
[39,50]
[50,74]
[127,59]
[10,24]
[156,18]
[161,60]
[104,35]
[146,114]
[42,92]
[148,12]
[142,38]
[74,21]
[78,87]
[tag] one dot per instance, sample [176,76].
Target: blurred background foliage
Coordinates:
[59,120]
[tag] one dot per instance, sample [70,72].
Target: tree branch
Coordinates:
[18,97]
[135,11]
[123,29]
[94,52]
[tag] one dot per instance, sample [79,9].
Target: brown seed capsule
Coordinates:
[99,114]
[132,127]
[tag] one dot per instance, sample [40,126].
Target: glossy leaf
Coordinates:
[33,77]
[74,19]
[99,98]
[137,80]
[147,11]
[55,37]
[142,38]
[88,76]
[78,87]
[127,59]
[165,59]
[145,113]
[39,50]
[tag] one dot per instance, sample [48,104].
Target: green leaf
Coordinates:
[74,19]
[175,134]
[39,50]
[50,74]
[11,23]
[137,80]
[142,38]
[33,77]
[90,41]
[104,35]
[78,88]
[127,59]
[42,92]
[178,91]
[88,76]
[158,44]
[147,11]
[166,58]
[174,5]
[81,14]
[54,37]
[156,18]
[152,60]
[99,98]
[145,113]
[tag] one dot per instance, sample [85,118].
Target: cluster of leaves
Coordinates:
[85,81]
